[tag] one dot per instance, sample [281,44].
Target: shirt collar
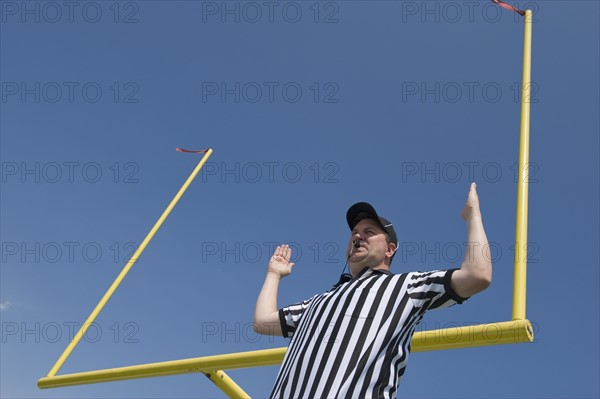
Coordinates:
[367,271]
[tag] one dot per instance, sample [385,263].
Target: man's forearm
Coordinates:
[266,318]
[267,299]
[477,262]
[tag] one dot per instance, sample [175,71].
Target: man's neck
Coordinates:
[355,272]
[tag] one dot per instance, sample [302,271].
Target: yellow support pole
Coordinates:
[520,281]
[227,385]
[507,332]
[61,360]
[266,357]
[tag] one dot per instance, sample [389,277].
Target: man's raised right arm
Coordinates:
[266,312]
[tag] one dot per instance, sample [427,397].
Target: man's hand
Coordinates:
[471,208]
[279,263]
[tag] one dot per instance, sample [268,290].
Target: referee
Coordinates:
[354,340]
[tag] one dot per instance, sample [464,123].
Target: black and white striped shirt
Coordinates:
[354,341]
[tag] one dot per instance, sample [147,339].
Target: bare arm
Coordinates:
[266,312]
[475,273]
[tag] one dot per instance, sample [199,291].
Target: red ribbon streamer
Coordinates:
[191,151]
[508,7]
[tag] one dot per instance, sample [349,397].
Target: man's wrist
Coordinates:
[273,275]
[475,216]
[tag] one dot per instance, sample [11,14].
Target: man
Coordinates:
[354,340]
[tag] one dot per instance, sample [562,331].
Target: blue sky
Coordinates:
[309,107]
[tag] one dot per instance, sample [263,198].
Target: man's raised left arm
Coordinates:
[475,273]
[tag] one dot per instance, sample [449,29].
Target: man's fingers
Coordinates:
[472,191]
[282,251]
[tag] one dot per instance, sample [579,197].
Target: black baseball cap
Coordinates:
[364,210]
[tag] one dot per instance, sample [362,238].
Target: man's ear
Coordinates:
[392,248]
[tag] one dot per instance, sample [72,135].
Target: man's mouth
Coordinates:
[355,249]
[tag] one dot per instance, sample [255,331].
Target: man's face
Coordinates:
[373,245]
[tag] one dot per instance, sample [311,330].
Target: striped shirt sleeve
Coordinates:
[289,316]
[432,290]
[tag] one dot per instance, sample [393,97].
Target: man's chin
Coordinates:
[358,262]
